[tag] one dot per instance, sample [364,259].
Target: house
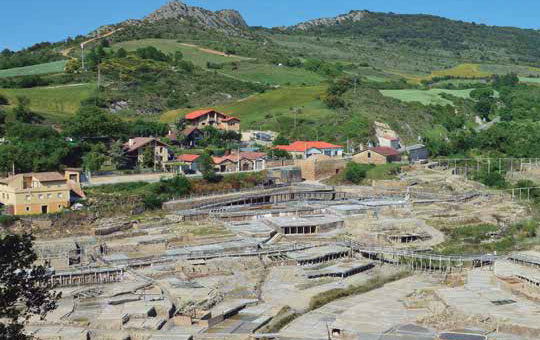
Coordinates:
[221,121]
[187,138]
[306,149]
[390,141]
[189,160]
[417,153]
[377,155]
[135,150]
[249,161]
[39,193]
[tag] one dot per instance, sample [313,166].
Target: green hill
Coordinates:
[52,67]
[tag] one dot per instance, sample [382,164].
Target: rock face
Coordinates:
[224,19]
[352,16]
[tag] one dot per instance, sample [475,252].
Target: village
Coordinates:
[37,193]
[271,171]
[227,264]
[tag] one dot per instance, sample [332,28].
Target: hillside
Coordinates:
[406,70]
[431,33]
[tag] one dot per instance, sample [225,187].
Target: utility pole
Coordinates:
[82,55]
[98,81]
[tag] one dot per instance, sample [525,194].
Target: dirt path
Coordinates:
[108,34]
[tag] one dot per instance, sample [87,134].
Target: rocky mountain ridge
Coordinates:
[353,16]
[223,19]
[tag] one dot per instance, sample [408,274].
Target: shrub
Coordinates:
[356,173]
[3,100]
[7,220]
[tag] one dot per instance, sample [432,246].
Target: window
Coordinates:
[28,197]
[49,195]
[59,206]
[40,196]
[27,209]
[369,155]
[59,195]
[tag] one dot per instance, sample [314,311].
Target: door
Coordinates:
[44,209]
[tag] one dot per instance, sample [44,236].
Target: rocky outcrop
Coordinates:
[352,16]
[224,19]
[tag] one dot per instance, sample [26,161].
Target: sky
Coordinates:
[25,22]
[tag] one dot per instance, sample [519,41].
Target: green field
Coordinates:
[53,102]
[191,53]
[529,80]
[54,67]
[273,74]
[426,97]
[267,107]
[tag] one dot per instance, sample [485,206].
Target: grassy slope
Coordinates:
[53,67]
[426,97]
[273,74]
[264,108]
[55,102]
[193,54]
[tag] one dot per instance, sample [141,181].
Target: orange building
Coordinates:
[221,121]
[38,193]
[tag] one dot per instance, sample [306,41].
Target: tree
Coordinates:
[484,108]
[105,43]
[73,66]
[278,154]
[206,167]
[94,160]
[22,112]
[118,155]
[149,157]
[281,140]
[178,56]
[25,289]
[482,93]
[121,53]
[3,100]
[91,121]
[356,173]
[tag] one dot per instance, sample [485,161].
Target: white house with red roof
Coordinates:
[210,117]
[306,149]
[390,141]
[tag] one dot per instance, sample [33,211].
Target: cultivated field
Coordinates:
[56,102]
[197,55]
[426,97]
[54,67]
[273,74]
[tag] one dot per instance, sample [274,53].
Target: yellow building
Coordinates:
[37,193]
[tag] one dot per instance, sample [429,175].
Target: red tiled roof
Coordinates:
[198,113]
[228,119]
[252,156]
[303,146]
[384,150]
[187,158]
[139,142]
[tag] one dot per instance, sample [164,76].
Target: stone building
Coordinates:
[377,155]
[320,166]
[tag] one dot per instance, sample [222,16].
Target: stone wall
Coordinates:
[317,168]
